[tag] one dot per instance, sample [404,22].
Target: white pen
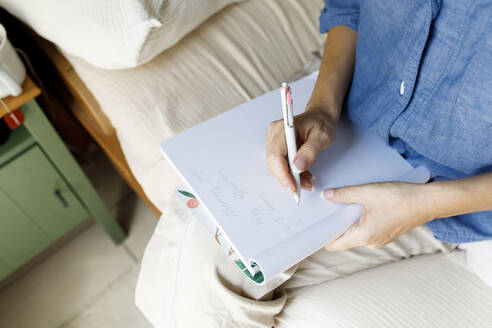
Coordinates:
[290,136]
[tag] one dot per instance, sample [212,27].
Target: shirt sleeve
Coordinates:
[339,12]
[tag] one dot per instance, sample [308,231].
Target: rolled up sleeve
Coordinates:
[339,12]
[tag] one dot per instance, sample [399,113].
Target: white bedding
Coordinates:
[240,53]
[424,291]
[114,34]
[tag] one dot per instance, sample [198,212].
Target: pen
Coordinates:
[290,136]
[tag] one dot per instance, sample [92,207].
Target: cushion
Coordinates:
[114,34]
[240,53]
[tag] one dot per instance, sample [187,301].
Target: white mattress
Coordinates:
[240,53]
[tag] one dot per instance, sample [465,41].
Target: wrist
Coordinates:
[439,199]
[322,114]
[328,108]
[329,92]
[428,201]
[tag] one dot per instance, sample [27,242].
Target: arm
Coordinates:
[335,73]
[316,126]
[393,208]
[455,197]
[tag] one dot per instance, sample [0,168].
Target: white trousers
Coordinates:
[200,287]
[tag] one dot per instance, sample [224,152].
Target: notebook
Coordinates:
[230,190]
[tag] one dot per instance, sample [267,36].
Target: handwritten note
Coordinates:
[224,163]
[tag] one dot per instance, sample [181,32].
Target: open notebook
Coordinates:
[247,211]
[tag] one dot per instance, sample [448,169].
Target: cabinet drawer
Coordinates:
[4,269]
[19,140]
[35,186]
[20,239]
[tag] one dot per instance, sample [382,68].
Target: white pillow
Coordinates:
[114,34]
[479,258]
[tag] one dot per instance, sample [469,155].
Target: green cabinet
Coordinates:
[20,239]
[37,206]
[43,193]
[4,269]
[36,187]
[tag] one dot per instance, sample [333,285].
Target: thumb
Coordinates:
[346,241]
[353,194]
[307,153]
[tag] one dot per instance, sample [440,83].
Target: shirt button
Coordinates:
[402,88]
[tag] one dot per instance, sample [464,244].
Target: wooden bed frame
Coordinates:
[86,109]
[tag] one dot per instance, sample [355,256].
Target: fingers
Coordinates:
[355,237]
[316,137]
[307,181]
[276,151]
[348,240]
[353,194]
[307,153]
[278,167]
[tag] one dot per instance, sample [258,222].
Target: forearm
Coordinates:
[455,197]
[335,73]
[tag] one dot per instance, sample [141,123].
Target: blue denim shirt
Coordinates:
[423,81]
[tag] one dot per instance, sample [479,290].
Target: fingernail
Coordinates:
[290,191]
[310,188]
[327,193]
[300,164]
[313,178]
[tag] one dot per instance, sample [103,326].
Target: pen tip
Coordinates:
[297,199]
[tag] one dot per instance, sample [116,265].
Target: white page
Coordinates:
[319,234]
[223,160]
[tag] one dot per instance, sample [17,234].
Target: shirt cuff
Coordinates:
[328,20]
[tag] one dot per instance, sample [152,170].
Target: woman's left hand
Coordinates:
[390,209]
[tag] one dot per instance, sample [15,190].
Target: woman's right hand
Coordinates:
[315,128]
[315,131]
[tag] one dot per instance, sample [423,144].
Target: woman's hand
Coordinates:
[390,209]
[315,130]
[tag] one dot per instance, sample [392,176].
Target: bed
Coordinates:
[213,69]
[241,52]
